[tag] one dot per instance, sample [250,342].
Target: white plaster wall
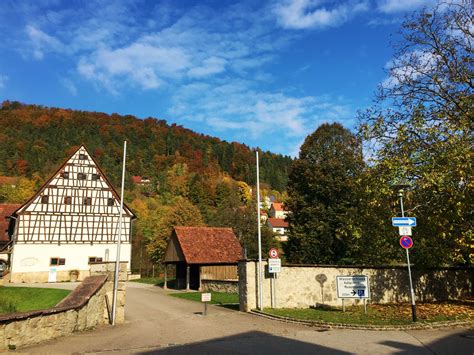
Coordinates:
[36,257]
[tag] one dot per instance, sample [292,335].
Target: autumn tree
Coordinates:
[323,197]
[420,132]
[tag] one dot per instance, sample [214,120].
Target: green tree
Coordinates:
[324,197]
[183,213]
[420,133]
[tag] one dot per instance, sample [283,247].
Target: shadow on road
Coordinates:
[248,343]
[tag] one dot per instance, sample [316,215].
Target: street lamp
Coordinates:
[401,190]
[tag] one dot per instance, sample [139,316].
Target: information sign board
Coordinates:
[274,265]
[205,297]
[356,286]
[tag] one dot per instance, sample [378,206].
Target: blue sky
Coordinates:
[264,73]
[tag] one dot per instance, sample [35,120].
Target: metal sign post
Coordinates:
[409,222]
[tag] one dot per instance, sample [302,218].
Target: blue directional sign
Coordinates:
[404,221]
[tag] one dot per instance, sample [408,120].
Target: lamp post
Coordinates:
[401,190]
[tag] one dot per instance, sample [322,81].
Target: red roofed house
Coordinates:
[6,209]
[205,258]
[279,226]
[277,211]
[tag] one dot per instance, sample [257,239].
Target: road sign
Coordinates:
[404,221]
[404,230]
[205,297]
[406,242]
[274,265]
[356,286]
[274,253]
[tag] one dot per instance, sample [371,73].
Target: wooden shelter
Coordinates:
[202,253]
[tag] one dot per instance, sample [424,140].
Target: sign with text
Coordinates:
[274,265]
[356,286]
[205,297]
[404,231]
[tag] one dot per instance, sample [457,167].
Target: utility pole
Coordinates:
[260,281]
[412,293]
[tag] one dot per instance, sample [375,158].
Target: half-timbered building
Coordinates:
[72,221]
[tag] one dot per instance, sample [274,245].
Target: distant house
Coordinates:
[140,180]
[8,180]
[69,223]
[6,209]
[277,211]
[263,216]
[279,226]
[205,258]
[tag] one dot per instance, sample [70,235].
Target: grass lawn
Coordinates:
[399,314]
[22,299]
[228,300]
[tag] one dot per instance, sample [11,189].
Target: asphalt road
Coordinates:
[158,323]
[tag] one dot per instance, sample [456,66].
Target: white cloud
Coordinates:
[236,107]
[41,42]
[303,14]
[3,80]
[70,86]
[394,6]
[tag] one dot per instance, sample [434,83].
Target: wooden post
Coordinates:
[188,276]
[165,286]
[199,286]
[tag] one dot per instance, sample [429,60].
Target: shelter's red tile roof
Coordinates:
[208,245]
[278,223]
[6,209]
[277,206]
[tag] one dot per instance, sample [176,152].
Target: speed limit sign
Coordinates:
[273,253]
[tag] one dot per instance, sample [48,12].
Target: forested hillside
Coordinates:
[35,139]
[194,179]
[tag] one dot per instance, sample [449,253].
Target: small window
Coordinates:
[87,201]
[44,199]
[65,174]
[67,200]
[81,176]
[57,261]
[82,157]
[94,259]
[95,177]
[110,202]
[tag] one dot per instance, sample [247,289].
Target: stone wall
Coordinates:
[297,286]
[86,307]
[220,286]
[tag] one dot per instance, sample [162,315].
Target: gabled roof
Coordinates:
[278,223]
[127,210]
[206,245]
[6,209]
[277,206]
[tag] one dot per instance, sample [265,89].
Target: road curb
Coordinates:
[325,325]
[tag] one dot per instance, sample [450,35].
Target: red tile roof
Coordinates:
[278,223]
[136,179]
[208,245]
[6,209]
[277,206]
[8,180]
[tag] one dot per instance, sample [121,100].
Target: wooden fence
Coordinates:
[219,272]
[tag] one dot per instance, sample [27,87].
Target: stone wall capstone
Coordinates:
[302,286]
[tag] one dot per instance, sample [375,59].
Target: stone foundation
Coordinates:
[42,276]
[227,286]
